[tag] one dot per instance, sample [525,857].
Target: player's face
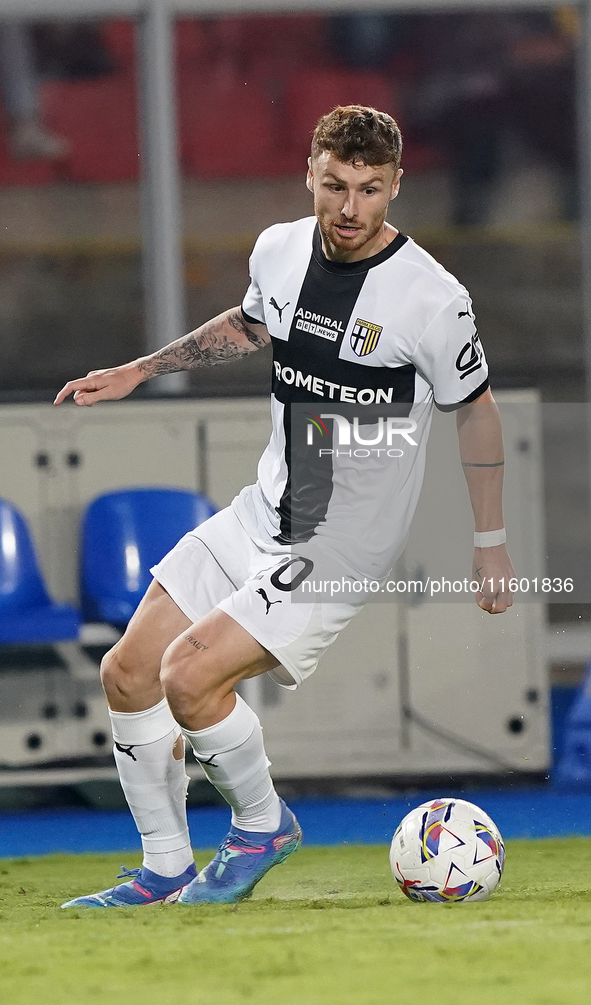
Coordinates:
[351,203]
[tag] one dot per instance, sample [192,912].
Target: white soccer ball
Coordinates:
[447,850]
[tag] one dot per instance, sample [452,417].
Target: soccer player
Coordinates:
[357,313]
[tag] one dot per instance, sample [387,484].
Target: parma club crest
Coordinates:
[365,337]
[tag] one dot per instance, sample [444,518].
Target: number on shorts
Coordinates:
[299,577]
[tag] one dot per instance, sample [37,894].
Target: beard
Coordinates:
[340,243]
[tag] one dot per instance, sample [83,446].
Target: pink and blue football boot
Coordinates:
[241,861]
[143,888]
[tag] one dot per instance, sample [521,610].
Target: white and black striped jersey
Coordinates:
[393,332]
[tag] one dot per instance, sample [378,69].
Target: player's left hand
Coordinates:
[492,568]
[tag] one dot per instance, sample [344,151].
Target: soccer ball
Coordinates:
[445,851]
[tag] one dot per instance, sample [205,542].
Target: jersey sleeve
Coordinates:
[450,356]
[253,307]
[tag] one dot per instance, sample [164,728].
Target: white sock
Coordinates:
[155,785]
[233,757]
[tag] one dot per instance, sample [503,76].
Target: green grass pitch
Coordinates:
[326,928]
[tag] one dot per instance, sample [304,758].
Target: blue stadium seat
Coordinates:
[27,613]
[574,767]
[125,533]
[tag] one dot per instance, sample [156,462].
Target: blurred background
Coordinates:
[486,101]
[140,156]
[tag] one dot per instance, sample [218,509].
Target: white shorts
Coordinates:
[220,565]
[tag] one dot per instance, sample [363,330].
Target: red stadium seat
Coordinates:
[22,172]
[273,48]
[25,172]
[99,120]
[192,44]
[119,39]
[227,129]
[298,37]
[312,93]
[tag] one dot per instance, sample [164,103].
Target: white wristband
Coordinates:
[490,538]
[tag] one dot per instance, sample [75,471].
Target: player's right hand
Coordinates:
[102,385]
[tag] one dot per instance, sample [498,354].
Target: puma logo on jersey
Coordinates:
[268,602]
[210,760]
[279,309]
[464,314]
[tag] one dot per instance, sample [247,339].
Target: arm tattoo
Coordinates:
[206,346]
[469,464]
[237,321]
[195,642]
